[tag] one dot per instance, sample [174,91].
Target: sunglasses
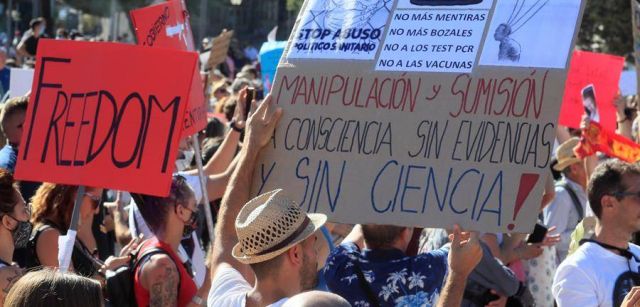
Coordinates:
[95,200]
[625,194]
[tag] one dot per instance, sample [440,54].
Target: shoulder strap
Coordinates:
[146,255]
[574,197]
[373,299]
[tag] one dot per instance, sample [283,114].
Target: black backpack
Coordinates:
[120,283]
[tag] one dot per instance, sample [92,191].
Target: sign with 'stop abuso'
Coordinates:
[166,25]
[420,112]
[105,115]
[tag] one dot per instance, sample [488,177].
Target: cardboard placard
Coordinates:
[603,72]
[219,48]
[105,115]
[373,136]
[166,25]
[20,81]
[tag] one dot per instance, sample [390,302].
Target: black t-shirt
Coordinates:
[30,42]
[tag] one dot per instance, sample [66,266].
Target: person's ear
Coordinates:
[295,254]
[7,222]
[608,201]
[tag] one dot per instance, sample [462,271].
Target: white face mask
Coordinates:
[184,159]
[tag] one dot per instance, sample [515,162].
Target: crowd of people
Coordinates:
[133,249]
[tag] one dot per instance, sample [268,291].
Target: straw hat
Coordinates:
[565,154]
[269,225]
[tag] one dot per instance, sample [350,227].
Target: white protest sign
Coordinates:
[417,146]
[20,81]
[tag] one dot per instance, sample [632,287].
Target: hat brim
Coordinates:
[317,221]
[565,163]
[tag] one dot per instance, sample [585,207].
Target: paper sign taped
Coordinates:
[340,29]
[166,25]
[531,33]
[413,148]
[20,81]
[105,115]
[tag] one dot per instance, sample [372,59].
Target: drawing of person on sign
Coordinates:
[350,14]
[509,48]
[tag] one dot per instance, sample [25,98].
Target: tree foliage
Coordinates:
[606,27]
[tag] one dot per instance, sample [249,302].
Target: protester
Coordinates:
[604,269]
[14,217]
[162,279]
[11,122]
[316,299]
[52,207]
[28,45]
[51,288]
[371,266]
[570,204]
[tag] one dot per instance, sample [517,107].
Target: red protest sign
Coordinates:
[105,115]
[603,72]
[166,25]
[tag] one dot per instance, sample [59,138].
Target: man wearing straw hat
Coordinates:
[264,251]
[568,207]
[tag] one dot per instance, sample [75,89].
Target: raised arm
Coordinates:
[464,255]
[260,128]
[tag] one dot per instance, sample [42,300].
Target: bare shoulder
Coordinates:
[159,267]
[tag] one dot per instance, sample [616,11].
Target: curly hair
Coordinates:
[8,192]
[53,204]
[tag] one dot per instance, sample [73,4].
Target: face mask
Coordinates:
[184,159]
[20,233]
[191,225]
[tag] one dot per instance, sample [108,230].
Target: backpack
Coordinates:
[120,283]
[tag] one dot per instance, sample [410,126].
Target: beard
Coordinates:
[308,273]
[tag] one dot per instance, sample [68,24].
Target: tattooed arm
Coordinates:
[8,277]
[160,277]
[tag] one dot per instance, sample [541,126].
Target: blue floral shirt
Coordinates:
[396,279]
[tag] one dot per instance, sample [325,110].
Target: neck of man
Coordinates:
[171,236]
[613,234]
[270,290]
[6,252]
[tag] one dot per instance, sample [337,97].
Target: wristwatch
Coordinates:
[197,300]
[232,125]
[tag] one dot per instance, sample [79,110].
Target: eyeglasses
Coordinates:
[95,200]
[625,194]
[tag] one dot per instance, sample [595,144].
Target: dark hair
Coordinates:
[12,107]
[50,288]
[35,22]
[381,236]
[155,210]
[53,204]
[607,180]
[8,192]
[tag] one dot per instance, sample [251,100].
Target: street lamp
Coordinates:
[236,2]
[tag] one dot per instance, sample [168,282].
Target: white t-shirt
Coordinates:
[592,276]
[229,289]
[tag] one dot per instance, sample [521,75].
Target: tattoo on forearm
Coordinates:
[164,290]
[11,279]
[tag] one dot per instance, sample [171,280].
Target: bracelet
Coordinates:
[232,125]
[197,300]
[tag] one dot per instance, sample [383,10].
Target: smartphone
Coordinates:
[251,95]
[538,234]
[589,100]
